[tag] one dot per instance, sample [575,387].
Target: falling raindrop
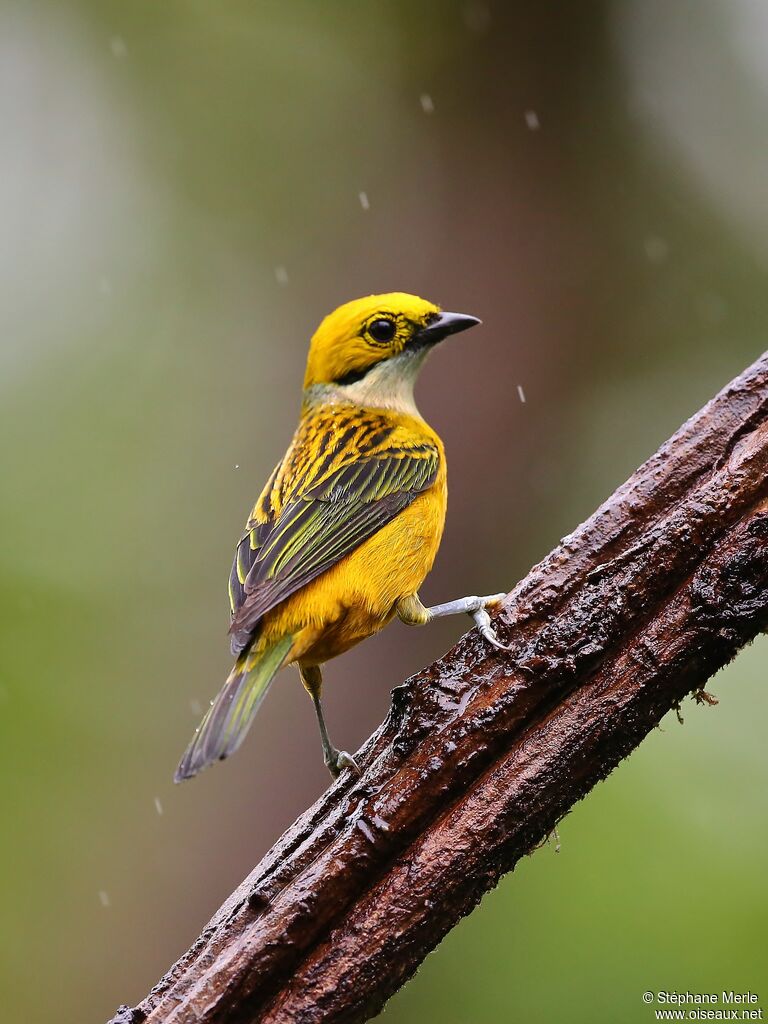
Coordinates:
[427,103]
[158,805]
[532,120]
[477,16]
[118,47]
[656,249]
[521,393]
[281,275]
[104,898]
[364,202]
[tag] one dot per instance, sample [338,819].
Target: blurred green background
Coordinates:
[180,199]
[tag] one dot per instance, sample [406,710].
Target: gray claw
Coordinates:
[483,622]
[340,760]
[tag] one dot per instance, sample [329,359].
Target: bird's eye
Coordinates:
[382,330]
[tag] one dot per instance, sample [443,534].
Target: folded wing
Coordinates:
[315,511]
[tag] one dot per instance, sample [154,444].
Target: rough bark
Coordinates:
[483,752]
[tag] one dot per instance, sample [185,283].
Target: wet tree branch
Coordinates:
[483,752]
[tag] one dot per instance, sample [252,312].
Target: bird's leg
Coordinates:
[411,611]
[335,760]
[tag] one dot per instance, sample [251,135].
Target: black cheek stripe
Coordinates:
[353,376]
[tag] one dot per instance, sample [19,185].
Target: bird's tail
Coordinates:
[229,717]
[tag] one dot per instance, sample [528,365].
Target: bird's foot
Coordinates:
[337,760]
[475,607]
[481,618]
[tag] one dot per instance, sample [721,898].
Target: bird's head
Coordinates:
[371,349]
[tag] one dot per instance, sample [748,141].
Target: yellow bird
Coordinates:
[349,523]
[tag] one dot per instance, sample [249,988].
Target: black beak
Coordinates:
[445,324]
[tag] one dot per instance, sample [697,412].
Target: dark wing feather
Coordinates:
[322,524]
[256,531]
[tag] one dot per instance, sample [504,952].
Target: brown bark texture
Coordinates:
[484,751]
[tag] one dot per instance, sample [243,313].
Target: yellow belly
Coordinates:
[357,597]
